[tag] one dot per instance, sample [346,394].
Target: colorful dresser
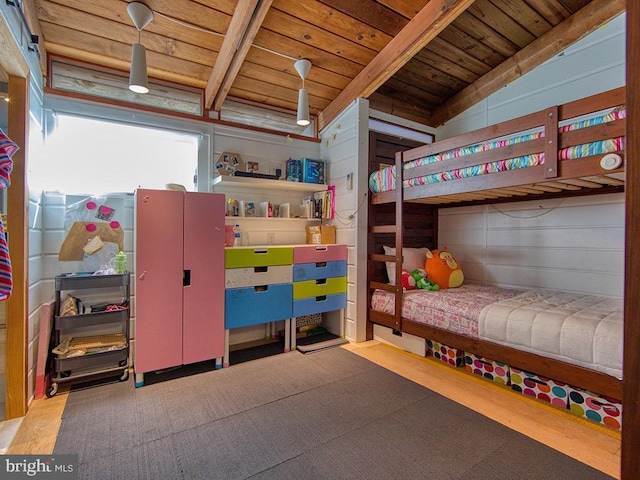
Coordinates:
[319,281]
[279,282]
[258,288]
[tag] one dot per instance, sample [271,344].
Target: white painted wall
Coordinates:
[574,244]
[345,147]
[37,289]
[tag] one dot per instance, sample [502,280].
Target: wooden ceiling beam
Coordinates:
[31,14]
[581,23]
[434,17]
[245,23]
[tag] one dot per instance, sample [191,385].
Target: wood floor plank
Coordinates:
[585,441]
[39,429]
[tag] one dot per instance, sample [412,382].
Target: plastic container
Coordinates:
[121,262]
[237,236]
[229,235]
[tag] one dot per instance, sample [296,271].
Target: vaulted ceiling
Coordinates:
[422,60]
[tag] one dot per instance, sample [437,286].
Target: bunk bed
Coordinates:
[575,148]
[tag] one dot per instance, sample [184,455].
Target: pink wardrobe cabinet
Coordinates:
[179,279]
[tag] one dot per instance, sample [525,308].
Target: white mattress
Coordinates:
[583,330]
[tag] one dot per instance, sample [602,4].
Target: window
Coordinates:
[84,155]
[76,77]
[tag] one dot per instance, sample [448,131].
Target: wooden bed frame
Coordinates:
[406,217]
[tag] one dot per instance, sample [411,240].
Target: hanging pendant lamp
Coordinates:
[302,67]
[141,15]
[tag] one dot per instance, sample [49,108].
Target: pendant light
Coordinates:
[302,67]
[141,15]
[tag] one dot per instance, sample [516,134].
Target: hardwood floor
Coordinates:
[585,441]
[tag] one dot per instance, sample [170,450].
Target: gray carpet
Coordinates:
[330,415]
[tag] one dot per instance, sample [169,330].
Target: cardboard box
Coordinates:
[495,371]
[542,388]
[321,234]
[449,355]
[601,409]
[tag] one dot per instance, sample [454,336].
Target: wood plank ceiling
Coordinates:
[423,60]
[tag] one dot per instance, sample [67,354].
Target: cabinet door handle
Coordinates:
[142,275]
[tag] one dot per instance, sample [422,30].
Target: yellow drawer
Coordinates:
[241,257]
[319,288]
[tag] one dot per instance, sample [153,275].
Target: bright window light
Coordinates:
[84,155]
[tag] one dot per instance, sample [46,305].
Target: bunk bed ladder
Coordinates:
[399,240]
[389,227]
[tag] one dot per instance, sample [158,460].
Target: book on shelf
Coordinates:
[324,204]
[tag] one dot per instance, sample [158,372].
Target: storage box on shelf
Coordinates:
[321,234]
[305,170]
[90,338]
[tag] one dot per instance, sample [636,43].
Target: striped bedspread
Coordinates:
[385,179]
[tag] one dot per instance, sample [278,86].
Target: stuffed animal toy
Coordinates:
[408,283]
[442,269]
[420,276]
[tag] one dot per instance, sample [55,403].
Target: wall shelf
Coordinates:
[248,182]
[232,220]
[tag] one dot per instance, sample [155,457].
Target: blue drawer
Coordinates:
[317,271]
[254,305]
[328,303]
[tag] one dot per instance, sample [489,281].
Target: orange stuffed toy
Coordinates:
[442,269]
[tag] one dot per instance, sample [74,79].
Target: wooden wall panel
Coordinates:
[631,412]
[18,219]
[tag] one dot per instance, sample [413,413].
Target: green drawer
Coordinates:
[242,257]
[319,288]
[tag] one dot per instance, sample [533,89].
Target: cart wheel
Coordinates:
[53,389]
[125,376]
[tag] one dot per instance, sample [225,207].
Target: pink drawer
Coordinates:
[319,253]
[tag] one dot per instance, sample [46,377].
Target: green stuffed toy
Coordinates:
[420,276]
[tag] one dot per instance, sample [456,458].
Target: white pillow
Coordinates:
[412,258]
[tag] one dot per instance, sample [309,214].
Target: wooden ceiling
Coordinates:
[423,60]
